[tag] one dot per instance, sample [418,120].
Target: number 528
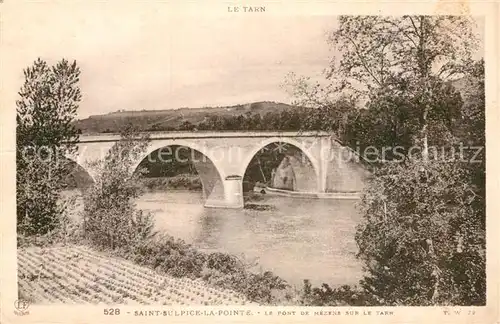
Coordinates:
[111,311]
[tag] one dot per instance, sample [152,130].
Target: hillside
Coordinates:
[170,119]
[283,117]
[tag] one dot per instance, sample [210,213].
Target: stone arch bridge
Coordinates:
[221,159]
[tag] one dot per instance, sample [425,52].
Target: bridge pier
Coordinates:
[325,160]
[233,194]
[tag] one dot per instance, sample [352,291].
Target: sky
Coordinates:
[144,57]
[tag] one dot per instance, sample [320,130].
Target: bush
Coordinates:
[110,216]
[421,237]
[181,181]
[169,255]
[185,181]
[67,231]
[326,296]
[179,259]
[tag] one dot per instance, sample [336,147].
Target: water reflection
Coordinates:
[208,233]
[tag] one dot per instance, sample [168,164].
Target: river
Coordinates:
[298,239]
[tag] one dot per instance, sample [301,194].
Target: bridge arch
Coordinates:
[212,188]
[262,144]
[79,173]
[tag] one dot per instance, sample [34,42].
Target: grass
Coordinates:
[77,274]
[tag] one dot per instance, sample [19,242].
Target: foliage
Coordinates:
[473,129]
[172,256]
[224,270]
[110,215]
[327,296]
[421,238]
[393,52]
[46,109]
[68,230]
[422,235]
[392,63]
[251,116]
[169,162]
[179,259]
[181,181]
[407,57]
[393,121]
[285,120]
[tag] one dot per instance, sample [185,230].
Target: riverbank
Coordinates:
[228,248]
[206,258]
[181,181]
[71,273]
[293,229]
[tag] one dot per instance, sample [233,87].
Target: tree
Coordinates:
[405,56]
[186,126]
[473,117]
[111,219]
[473,134]
[422,237]
[47,107]
[392,120]
[422,231]
[420,214]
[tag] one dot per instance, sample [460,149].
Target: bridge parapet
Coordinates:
[113,137]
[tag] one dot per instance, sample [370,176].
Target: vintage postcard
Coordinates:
[227,161]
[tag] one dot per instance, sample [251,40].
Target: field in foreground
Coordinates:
[77,274]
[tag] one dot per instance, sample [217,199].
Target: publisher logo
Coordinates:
[21,306]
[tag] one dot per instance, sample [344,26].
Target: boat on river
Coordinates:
[264,189]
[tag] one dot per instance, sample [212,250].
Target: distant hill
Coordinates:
[170,119]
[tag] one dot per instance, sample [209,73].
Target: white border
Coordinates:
[10,9]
